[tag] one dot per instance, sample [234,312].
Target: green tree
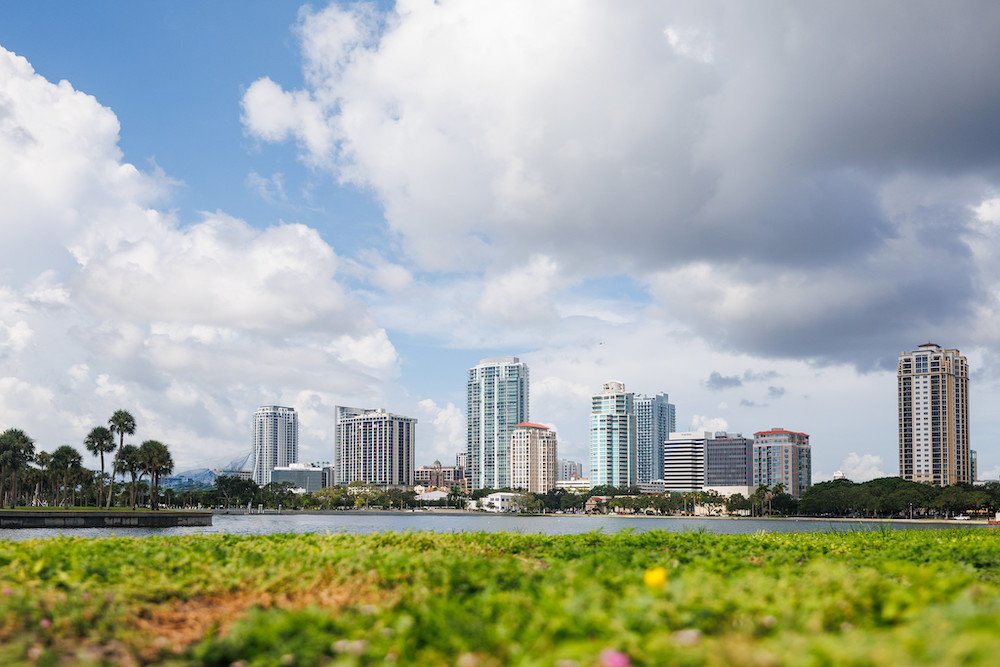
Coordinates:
[122,423]
[16,451]
[129,462]
[99,442]
[155,460]
[65,461]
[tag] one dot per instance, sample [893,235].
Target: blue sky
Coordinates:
[753,210]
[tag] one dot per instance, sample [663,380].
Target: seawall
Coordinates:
[99,519]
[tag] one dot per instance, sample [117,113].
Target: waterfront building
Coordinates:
[275,440]
[440,476]
[578,485]
[497,400]
[728,460]
[684,461]
[532,458]
[613,437]
[655,420]
[933,408]
[305,476]
[566,469]
[374,447]
[499,501]
[782,457]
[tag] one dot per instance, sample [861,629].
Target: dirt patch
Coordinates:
[175,627]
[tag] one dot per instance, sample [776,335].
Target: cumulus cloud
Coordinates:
[111,303]
[706,150]
[862,467]
[442,431]
[705,423]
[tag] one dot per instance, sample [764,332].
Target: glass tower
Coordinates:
[497,401]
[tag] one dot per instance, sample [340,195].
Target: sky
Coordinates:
[753,207]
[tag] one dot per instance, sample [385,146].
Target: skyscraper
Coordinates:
[533,458]
[275,440]
[655,420]
[497,400]
[374,447]
[782,457]
[933,395]
[613,437]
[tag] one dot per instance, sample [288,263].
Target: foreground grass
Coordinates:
[872,598]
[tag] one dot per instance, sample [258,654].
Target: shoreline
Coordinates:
[458,512]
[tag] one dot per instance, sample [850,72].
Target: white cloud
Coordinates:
[521,296]
[862,467]
[705,423]
[110,303]
[442,432]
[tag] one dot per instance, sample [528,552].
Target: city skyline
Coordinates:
[215,206]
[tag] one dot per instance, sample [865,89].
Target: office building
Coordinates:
[728,460]
[655,419]
[532,458]
[613,437]
[275,440]
[782,457]
[684,461]
[933,404]
[497,400]
[374,446]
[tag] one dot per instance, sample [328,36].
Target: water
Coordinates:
[373,522]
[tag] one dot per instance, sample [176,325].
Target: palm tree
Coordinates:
[64,460]
[129,463]
[122,423]
[42,460]
[16,451]
[99,441]
[156,461]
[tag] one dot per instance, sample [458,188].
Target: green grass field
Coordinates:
[864,598]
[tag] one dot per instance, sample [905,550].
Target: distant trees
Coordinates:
[894,496]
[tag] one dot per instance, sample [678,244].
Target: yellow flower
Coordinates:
[655,578]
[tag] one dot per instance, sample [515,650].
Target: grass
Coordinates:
[478,599]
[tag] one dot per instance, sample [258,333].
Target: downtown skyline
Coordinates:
[753,209]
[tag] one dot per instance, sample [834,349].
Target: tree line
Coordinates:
[37,478]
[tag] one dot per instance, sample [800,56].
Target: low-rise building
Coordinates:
[305,476]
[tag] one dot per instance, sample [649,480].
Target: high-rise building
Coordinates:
[684,461]
[613,437]
[497,400]
[533,458]
[782,457]
[933,394]
[374,447]
[566,469]
[728,460]
[655,420]
[275,440]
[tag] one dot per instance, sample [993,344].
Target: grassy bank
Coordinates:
[871,598]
